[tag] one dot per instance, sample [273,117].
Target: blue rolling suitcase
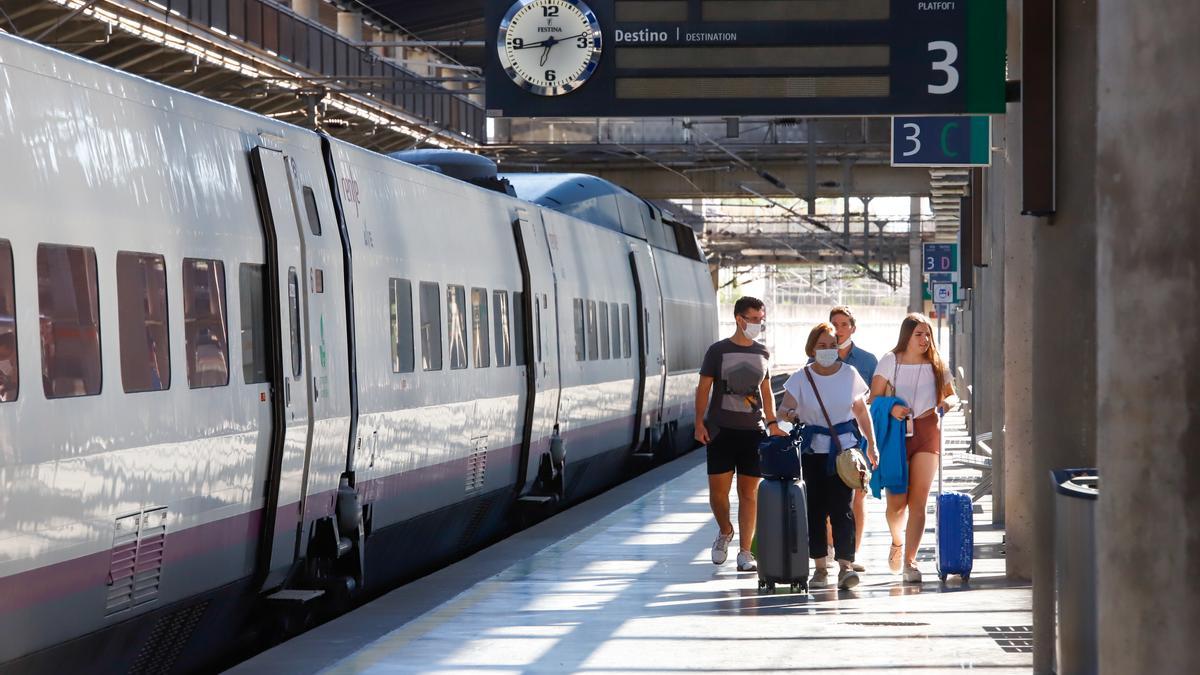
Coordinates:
[955,529]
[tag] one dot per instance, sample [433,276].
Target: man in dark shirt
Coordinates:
[731,401]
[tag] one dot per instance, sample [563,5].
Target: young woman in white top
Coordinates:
[844,394]
[915,373]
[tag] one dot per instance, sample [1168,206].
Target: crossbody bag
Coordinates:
[852,467]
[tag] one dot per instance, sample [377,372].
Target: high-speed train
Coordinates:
[249,372]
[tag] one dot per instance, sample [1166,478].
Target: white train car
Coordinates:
[246,369]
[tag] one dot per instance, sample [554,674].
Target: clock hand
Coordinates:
[545,53]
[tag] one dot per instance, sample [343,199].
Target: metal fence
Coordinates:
[318,49]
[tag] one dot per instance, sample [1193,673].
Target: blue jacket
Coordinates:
[892,472]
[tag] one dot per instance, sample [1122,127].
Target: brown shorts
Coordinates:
[927,437]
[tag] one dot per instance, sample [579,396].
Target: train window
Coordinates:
[9,374]
[252,287]
[400,301]
[294,320]
[615,320]
[205,340]
[537,329]
[310,208]
[503,349]
[646,331]
[69,305]
[593,339]
[142,322]
[605,345]
[625,348]
[580,331]
[431,326]
[456,325]
[519,327]
[479,328]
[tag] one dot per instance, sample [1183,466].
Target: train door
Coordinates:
[650,335]
[291,404]
[537,314]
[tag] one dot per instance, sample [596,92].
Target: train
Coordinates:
[251,375]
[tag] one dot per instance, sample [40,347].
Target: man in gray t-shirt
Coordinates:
[731,401]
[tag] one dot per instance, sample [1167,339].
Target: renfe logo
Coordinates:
[643,35]
[350,192]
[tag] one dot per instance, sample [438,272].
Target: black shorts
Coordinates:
[735,449]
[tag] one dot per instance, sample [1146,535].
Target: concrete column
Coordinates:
[309,9]
[994,220]
[350,26]
[380,36]
[1018,338]
[916,278]
[1064,304]
[1148,276]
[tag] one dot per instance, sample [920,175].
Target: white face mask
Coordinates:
[846,344]
[826,357]
[754,330]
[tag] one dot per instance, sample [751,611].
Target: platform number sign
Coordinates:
[948,140]
[940,257]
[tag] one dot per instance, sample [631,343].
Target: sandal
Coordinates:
[894,558]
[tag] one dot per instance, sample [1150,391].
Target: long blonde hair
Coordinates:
[940,375]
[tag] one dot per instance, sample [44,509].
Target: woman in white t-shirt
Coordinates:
[915,373]
[843,392]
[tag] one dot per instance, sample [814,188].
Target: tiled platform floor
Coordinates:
[634,591]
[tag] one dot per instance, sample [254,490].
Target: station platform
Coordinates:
[624,583]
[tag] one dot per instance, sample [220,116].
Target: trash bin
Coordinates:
[1076,649]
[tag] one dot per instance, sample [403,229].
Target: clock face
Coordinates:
[549,47]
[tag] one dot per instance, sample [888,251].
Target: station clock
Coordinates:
[549,47]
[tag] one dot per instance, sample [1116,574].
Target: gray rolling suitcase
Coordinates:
[782,534]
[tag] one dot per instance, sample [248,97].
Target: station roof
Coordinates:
[437,20]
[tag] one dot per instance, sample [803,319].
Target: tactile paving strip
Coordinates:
[1013,639]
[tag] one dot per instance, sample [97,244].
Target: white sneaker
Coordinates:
[820,579]
[847,579]
[746,562]
[858,567]
[912,575]
[720,548]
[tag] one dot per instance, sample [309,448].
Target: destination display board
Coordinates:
[599,58]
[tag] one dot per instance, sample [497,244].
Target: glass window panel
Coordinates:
[431,326]
[400,300]
[294,321]
[206,342]
[10,380]
[626,349]
[593,337]
[537,329]
[456,325]
[142,322]
[503,349]
[519,327]
[615,332]
[252,286]
[69,317]
[605,345]
[580,331]
[310,209]
[479,328]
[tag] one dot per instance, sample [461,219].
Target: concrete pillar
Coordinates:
[309,9]
[350,26]
[1148,528]
[1064,303]
[380,36]
[994,220]
[1018,338]
[916,278]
